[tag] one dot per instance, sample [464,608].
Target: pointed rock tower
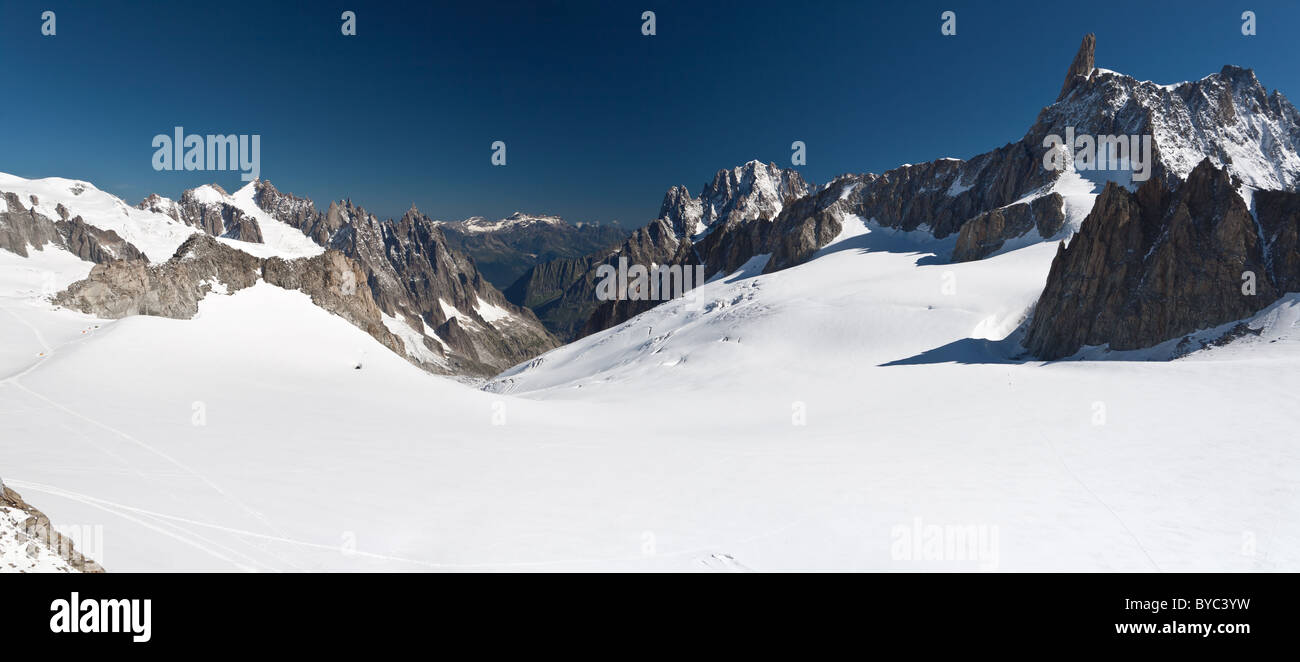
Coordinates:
[1082,66]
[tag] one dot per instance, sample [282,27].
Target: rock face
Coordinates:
[1082,66]
[654,244]
[21,228]
[298,212]
[986,233]
[36,537]
[203,265]
[1156,264]
[95,245]
[206,209]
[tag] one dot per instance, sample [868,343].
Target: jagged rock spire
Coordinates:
[1083,64]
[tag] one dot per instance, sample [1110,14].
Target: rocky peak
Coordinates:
[1082,65]
[682,211]
[210,209]
[1167,260]
[753,191]
[1227,116]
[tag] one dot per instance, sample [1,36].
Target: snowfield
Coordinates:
[858,412]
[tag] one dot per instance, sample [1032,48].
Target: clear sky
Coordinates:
[598,119]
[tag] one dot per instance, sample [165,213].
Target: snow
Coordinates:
[413,341]
[492,313]
[19,553]
[793,420]
[914,410]
[156,235]
[209,195]
[279,238]
[478,224]
[449,311]
[1078,192]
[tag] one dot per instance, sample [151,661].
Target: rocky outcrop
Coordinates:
[95,245]
[986,233]
[202,265]
[206,208]
[159,205]
[21,228]
[335,283]
[170,289]
[36,537]
[1155,264]
[298,212]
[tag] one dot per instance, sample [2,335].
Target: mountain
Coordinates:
[751,194]
[504,249]
[432,295]
[1156,264]
[418,295]
[994,202]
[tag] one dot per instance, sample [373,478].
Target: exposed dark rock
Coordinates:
[217,218]
[21,228]
[1151,266]
[1082,66]
[734,206]
[986,233]
[413,273]
[95,245]
[202,264]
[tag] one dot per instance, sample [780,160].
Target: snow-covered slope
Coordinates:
[279,239]
[1228,116]
[762,428]
[898,365]
[156,233]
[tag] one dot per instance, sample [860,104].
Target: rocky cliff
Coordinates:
[21,228]
[1155,264]
[203,265]
[415,275]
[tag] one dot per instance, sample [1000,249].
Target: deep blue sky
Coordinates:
[598,119]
